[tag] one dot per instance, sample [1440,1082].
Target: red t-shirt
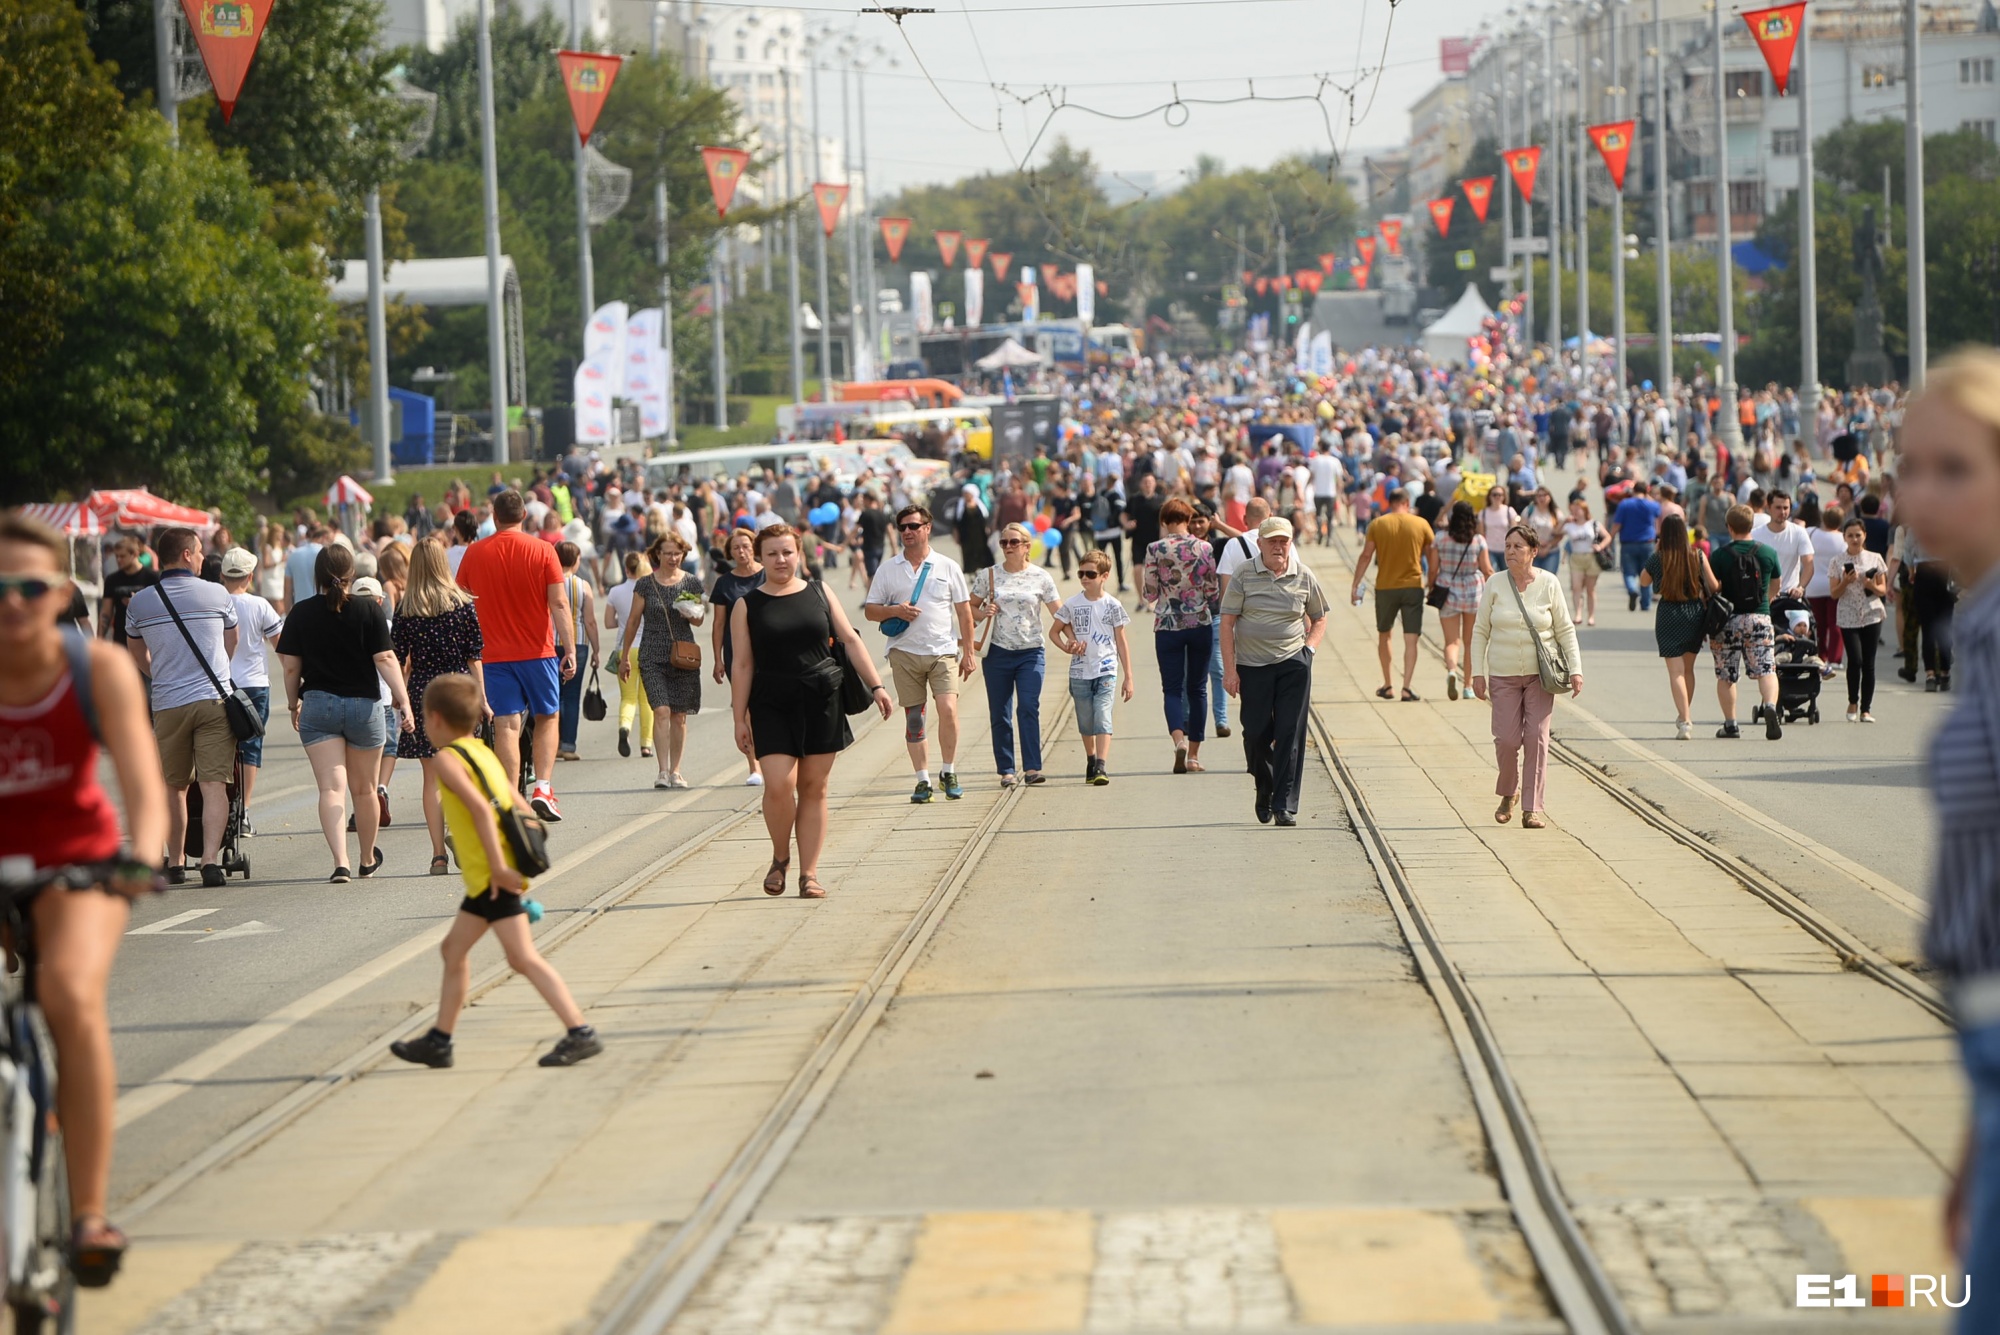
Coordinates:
[48,766]
[510,573]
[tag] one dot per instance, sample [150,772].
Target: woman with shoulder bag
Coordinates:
[1009,598]
[1523,647]
[1589,545]
[1463,567]
[1681,574]
[785,693]
[669,604]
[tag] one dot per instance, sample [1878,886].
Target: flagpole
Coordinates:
[585,277]
[1917,335]
[496,335]
[166,77]
[1729,428]
[825,309]
[1808,246]
[1618,212]
[666,306]
[1664,256]
[1527,210]
[1581,180]
[1552,107]
[378,338]
[792,249]
[1506,193]
[715,271]
[855,336]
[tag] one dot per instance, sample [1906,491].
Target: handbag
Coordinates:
[521,830]
[894,626]
[856,696]
[593,700]
[1550,665]
[682,654]
[1440,593]
[1605,560]
[244,720]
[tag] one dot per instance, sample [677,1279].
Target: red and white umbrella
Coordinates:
[346,491]
[135,507]
[73,518]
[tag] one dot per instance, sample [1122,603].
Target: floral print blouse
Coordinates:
[1180,582]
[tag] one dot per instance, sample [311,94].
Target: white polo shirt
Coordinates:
[934,633]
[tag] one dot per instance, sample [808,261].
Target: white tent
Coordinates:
[1010,353]
[1444,339]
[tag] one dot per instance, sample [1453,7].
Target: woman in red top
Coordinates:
[48,765]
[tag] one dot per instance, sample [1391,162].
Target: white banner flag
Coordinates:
[592,403]
[975,296]
[1322,353]
[1031,294]
[642,342]
[1086,293]
[604,337]
[1302,349]
[653,403]
[920,300]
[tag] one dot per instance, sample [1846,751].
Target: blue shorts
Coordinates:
[1093,697]
[392,728]
[526,686]
[251,752]
[324,717]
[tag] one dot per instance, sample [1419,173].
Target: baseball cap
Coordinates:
[237,562]
[366,587]
[1275,527]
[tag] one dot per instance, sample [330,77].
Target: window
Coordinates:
[1785,143]
[1880,76]
[742,52]
[1976,70]
[1743,83]
[1701,197]
[1746,197]
[1982,128]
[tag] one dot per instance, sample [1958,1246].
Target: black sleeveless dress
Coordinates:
[795,689]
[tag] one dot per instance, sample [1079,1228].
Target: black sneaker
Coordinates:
[625,741]
[1729,731]
[1286,818]
[571,1049]
[1773,729]
[1631,602]
[1102,777]
[177,875]
[424,1051]
[212,874]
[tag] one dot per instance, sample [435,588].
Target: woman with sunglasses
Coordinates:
[46,711]
[1012,596]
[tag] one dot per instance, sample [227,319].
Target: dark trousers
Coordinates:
[1015,674]
[1275,701]
[1933,602]
[1183,656]
[1861,643]
[572,700]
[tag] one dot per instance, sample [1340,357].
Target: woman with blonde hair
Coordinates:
[277,546]
[1012,596]
[1522,617]
[631,688]
[670,605]
[435,633]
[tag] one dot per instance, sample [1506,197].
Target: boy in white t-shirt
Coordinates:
[1090,628]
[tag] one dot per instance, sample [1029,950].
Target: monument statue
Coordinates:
[1868,364]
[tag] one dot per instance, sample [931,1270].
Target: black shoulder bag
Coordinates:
[855,696]
[244,720]
[521,830]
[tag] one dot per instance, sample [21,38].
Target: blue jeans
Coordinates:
[1632,558]
[251,751]
[1092,697]
[572,699]
[1979,1049]
[1012,674]
[1551,563]
[1184,658]
[1217,697]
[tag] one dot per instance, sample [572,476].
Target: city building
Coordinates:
[1441,137]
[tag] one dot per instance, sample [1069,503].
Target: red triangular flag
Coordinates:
[1524,163]
[1777,32]
[1049,275]
[1360,272]
[1263,286]
[1310,280]
[227,33]
[831,199]
[1614,144]
[1026,293]
[1326,262]
[895,231]
[947,243]
[1441,214]
[975,251]
[1392,232]
[587,78]
[1103,288]
[1366,245]
[1479,194]
[725,169]
[1001,259]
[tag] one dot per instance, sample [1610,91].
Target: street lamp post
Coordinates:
[1663,255]
[378,337]
[1580,178]
[496,326]
[1913,195]
[855,335]
[166,77]
[1808,257]
[666,304]
[825,309]
[1552,107]
[1729,428]
[792,248]
[717,268]
[585,275]
[1617,213]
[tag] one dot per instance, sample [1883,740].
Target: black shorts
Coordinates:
[493,905]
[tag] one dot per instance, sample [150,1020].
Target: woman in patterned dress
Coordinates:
[435,632]
[669,618]
[1463,566]
[1178,577]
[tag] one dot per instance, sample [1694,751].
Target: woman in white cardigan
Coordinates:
[1506,672]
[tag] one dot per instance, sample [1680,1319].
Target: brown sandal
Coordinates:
[1534,820]
[1505,811]
[809,886]
[774,879]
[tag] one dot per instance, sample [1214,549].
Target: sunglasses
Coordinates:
[1012,542]
[1090,574]
[30,587]
[913,528]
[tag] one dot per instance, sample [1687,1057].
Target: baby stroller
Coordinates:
[233,860]
[1800,667]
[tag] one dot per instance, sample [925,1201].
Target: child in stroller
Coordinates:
[1800,668]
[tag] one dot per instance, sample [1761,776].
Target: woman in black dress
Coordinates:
[1681,574]
[669,604]
[785,691]
[436,632]
[975,549]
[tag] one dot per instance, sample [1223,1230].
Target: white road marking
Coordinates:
[166,926]
[251,928]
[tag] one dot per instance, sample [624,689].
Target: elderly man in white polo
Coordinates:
[1273,617]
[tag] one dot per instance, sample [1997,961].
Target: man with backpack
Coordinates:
[1747,573]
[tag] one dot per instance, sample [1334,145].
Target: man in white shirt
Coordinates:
[927,593]
[1325,470]
[1238,485]
[1792,544]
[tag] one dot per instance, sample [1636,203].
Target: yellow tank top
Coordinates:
[458,818]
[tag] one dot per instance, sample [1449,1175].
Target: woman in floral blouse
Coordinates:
[1011,597]
[1179,580]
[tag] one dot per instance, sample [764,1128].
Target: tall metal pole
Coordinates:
[1552,106]
[166,78]
[1729,428]
[792,248]
[585,277]
[666,304]
[716,269]
[496,321]
[1527,209]
[1663,253]
[378,338]
[1808,257]
[856,336]
[1618,214]
[1506,186]
[1581,179]
[870,301]
[819,232]
[1913,194]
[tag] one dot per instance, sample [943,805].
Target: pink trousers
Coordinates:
[1521,714]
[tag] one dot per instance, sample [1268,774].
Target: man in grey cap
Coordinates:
[1273,616]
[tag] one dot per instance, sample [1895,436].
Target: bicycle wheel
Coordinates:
[43,1296]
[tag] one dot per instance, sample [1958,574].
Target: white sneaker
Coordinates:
[675,780]
[1683,730]
[754,781]
[1853,716]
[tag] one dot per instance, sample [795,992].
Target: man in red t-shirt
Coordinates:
[524,614]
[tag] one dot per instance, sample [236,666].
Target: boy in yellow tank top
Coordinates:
[495,891]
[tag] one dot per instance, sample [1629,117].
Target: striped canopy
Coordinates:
[346,491]
[71,517]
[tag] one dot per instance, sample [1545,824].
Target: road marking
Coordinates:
[528,1281]
[251,928]
[166,926]
[1362,1267]
[1017,1271]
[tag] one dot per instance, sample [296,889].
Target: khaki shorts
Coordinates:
[196,745]
[914,672]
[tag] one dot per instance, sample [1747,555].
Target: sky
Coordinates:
[1125,58]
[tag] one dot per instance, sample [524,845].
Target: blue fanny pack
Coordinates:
[894,626]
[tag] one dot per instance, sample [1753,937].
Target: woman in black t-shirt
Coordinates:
[337,653]
[743,575]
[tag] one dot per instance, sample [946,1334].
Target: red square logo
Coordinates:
[1886,1291]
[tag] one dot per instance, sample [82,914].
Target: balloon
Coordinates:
[825,513]
[1041,523]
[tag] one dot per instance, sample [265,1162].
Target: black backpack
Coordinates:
[1744,582]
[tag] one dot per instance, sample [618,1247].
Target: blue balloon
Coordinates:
[825,513]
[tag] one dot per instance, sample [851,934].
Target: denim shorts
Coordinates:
[392,728]
[324,717]
[251,750]
[1093,704]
